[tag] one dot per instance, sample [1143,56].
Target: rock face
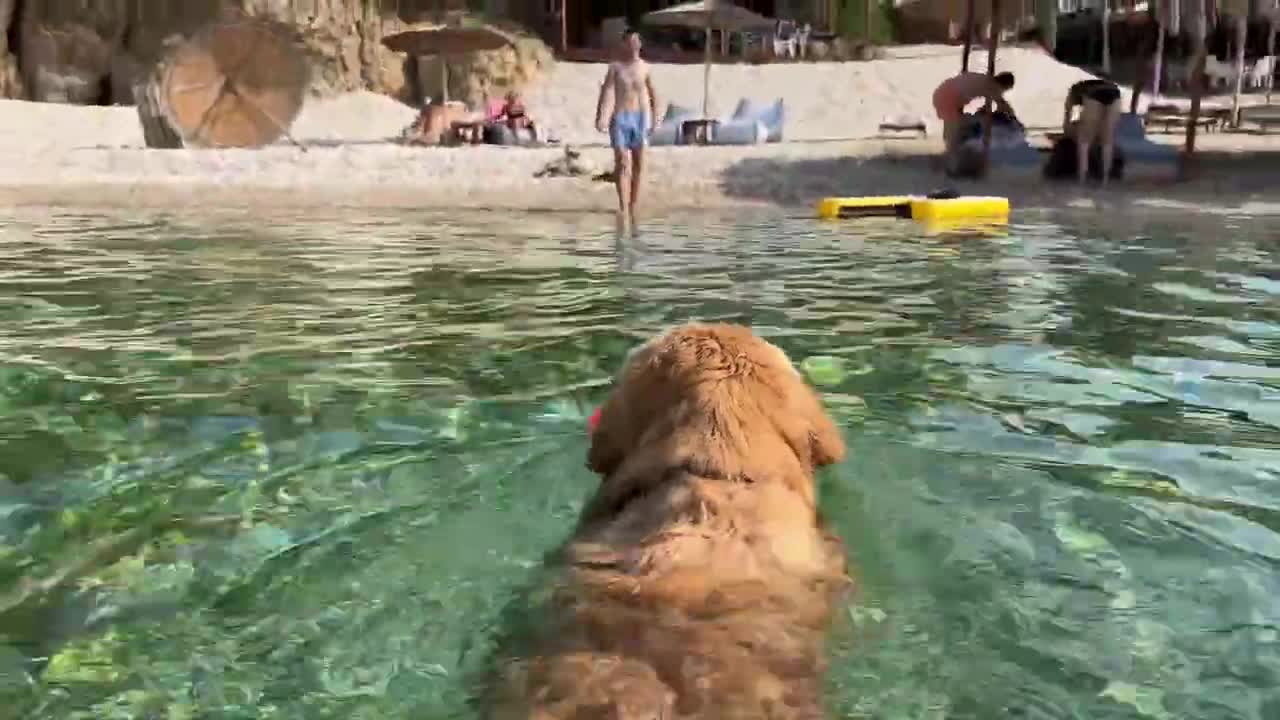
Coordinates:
[10,82]
[93,51]
[479,76]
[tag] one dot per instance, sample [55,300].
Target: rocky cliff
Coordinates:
[91,51]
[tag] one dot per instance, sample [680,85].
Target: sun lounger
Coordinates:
[1132,138]
[750,124]
[668,131]
[1171,117]
[740,132]
[1264,116]
[903,123]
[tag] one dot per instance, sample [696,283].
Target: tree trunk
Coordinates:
[156,130]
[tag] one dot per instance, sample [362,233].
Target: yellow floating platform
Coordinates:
[923,209]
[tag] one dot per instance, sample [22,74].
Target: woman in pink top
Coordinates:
[951,97]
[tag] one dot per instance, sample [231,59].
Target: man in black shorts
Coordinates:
[1100,108]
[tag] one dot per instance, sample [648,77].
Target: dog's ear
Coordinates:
[624,415]
[611,437]
[809,429]
[825,441]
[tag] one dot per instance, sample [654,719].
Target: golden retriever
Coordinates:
[700,580]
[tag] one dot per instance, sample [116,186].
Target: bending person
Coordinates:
[1099,102]
[951,97]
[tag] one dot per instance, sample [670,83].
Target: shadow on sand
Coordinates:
[1224,179]
[801,181]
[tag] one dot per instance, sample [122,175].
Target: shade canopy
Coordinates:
[709,15]
[235,84]
[713,14]
[447,40]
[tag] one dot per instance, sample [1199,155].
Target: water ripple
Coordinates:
[310,459]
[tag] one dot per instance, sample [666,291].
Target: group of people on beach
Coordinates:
[1098,100]
[634,106]
[445,123]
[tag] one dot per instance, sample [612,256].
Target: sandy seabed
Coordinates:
[84,156]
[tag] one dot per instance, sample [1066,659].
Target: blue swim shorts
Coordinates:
[629,129]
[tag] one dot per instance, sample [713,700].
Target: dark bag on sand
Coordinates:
[973,124]
[1062,161]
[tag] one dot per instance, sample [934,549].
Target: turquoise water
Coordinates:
[295,468]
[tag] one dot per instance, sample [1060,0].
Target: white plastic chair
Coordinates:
[1261,73]
[785,41]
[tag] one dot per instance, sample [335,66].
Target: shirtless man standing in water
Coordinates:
[634,106]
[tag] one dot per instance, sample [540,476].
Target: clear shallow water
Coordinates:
[295,469]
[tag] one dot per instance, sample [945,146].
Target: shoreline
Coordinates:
[786,176]
[87,156]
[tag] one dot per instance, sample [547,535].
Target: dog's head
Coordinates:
[717,401]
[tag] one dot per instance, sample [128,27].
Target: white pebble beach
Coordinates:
[75,155]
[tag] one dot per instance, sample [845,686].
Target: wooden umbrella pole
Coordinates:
[444,79]
[1106,37]
[968,36]
[1242,37]
[993,45]
[706,69]
[1158,63]
[1197,84]
[1271,53]
[564,26]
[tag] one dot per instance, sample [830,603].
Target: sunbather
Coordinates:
[951,97]
[1100,109]
[513,113]
[444,124]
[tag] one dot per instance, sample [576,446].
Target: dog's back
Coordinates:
[700,582]
[699,622]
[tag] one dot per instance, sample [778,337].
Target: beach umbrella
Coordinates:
[446,41]
[709,15]
[235,84]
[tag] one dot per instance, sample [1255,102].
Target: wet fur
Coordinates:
[700,580]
